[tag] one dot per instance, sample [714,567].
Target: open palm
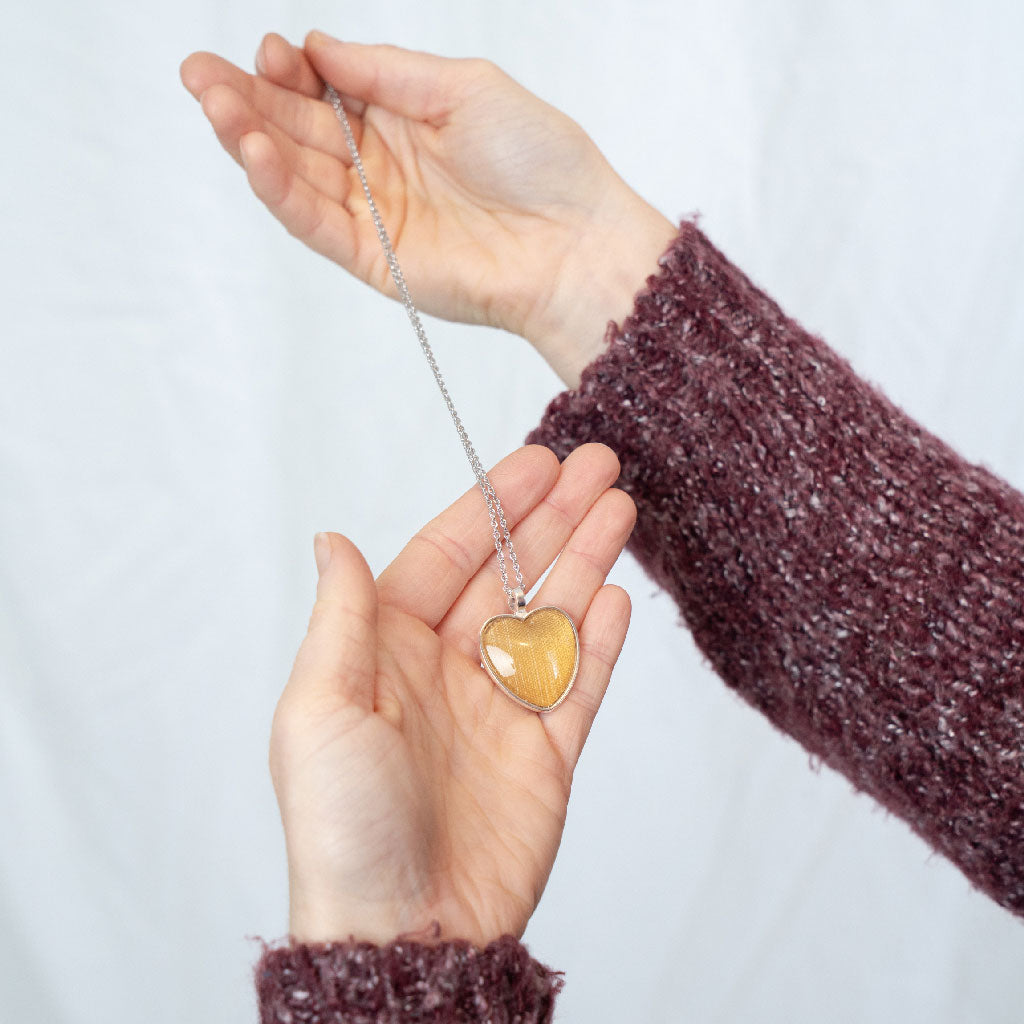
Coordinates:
[486,190]
[412,790]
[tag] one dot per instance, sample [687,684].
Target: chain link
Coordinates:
[499,528]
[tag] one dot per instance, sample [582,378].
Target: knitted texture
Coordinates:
[404,983]
[841,568]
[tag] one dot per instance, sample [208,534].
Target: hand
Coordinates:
[501,209]
[411,789]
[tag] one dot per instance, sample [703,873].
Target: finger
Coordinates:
[406,82]
[601,637]
[588,556]
[434,567]
[309,122]
[202,69]
[307,213]
[323,173]
[584,476]
[287,66]
[232,118]
[338,657]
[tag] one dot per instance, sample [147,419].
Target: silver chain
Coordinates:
[498,525]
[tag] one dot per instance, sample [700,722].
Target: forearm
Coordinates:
[844,570]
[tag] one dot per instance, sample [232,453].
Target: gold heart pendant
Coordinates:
[532,656]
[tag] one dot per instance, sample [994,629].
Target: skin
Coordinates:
[540,236]
[412,791]
[416,798]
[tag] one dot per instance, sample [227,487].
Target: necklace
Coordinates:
[531,656]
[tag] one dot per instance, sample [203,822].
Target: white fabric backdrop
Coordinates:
[186,395]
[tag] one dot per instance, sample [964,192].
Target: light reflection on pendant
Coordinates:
[532,656]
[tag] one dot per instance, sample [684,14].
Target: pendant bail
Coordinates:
[519,598]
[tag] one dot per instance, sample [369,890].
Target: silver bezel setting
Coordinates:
[523,616]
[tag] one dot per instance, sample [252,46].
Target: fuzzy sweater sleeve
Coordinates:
[842,569]
[404,983]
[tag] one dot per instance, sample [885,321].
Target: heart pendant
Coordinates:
[532,656]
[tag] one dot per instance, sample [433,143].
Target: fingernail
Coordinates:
[261,61]
[322,552]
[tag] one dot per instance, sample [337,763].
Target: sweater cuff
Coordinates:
[408,982]
[610,404]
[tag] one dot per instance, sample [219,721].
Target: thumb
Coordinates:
[406,82]
[338,657]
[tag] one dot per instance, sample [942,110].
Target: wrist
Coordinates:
[321,916]
[613,258]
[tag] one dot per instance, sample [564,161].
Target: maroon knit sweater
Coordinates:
[842,569]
